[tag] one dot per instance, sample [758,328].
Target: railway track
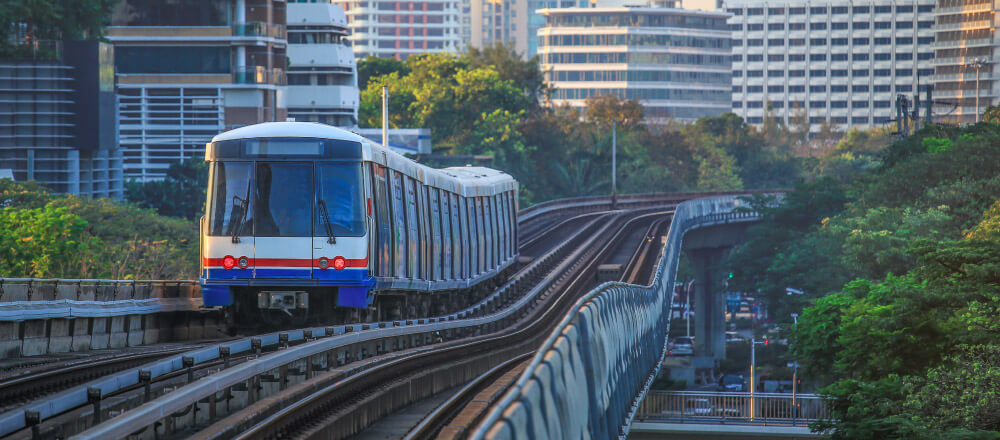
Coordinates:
[83,416]
[457,416]
[345,407]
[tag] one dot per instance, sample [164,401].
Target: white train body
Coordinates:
[297,207]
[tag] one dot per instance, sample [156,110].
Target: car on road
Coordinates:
[682,346]
[732,383]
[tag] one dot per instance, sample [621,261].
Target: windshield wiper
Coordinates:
[326,221]
[244,205]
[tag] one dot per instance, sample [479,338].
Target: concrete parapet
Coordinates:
[81,334]
[99,337]
[10,339]
[60,337]
[34,338]
[117,336]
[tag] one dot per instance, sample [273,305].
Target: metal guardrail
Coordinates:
[595,203]
[23,299]
[588,377]
[732,408]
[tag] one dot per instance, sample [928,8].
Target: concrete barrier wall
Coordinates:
[589,375]
[45,316]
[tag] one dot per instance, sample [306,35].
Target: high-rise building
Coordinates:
[322,71]
[400,28]
[57,117]
[190,69]
[514,23]
[836,62]
[964,45]
[676,62]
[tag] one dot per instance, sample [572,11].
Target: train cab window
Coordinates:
[339,200]
[284,193]
[229,208]
[476,237]
[498,250]
[504,227]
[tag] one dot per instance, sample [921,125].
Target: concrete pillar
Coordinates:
[709,302]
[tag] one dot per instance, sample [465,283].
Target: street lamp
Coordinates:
[978,65]
[795,370]
[753,373]
[614,163]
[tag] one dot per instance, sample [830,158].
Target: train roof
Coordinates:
[467,181]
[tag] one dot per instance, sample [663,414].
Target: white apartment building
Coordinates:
[400,28]
[965,43]
[322,71]
[837,61]
[676,62]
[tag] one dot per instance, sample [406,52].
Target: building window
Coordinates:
[777,104]
[754,42]
[737,58]
[925,24]
[755,57]
[860,25]
[859,88]
[838,10]
[904,88]
[882,88]
[755,11]
[775,11]
[900,41]
[796,89]
[737,43]
[838,88]
[755,27]
[817,104]
[883,56]
[925,40]
[755,104]
[755,89]
[838,41]
[172,59]
[776,27]
[796,11]
[737,104]
[817,89]
[775,73]
[755,73]
[904,25]
[863,41]
[775,42]
[925,56]
[737,89]
[775,89]
[859,73]
[817,41]
[776,57]
[817,57]
[904,9]
[817,119]
[883,25]
[817,10]
[838,104]
[859,119]
[171,13]
[797,57]
[925,72]
[862,9]
[883,72]
[796,26]
[796,73]
[797,42]
[883,41]
[904,72]
[817,73]
[925,8]
[859,57]
[839,120]
[838,57]
[755,120]
[838,26]
[883,9]
[736,12]
[817,26]
[880,104]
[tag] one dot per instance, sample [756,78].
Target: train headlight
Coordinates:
[243,262]
[339,263]
[228,262]
[324,263]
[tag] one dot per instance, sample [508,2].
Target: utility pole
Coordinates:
[385,116]
[795,372]
[978,65]
[614,163]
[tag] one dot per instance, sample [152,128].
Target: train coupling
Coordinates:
[284,301]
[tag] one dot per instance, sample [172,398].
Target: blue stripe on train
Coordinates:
[353,285]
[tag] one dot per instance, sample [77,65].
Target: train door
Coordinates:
[283,220]
[412,230]
[399,226]
[434,208]
[467,243]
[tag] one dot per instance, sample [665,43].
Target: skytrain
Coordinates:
[307,220]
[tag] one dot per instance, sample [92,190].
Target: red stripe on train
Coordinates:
[288,262]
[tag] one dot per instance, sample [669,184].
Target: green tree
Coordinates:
[55,19]
[180,194]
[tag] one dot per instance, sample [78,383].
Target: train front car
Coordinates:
[287,221]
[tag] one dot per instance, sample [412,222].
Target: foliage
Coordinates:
[46,235]
[54,19]
[898,251]
[180,194]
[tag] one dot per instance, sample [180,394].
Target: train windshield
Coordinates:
[278,199]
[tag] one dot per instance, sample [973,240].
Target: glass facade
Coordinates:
[172,13]
[173,59]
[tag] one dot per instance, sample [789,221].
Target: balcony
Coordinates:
[325,55]
[963,43]
[964,25]
[322,97]
[259,29]
[259,75]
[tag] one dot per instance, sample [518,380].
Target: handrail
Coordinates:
[588,377]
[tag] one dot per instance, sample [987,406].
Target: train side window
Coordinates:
[475,231]
[497,231]
[463,218]
[483,234]
[512,220]
[412,230]
[383,229]
[422,262]
[446,235]
[502,218]
[456,254]
[434,205]
[491,232]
